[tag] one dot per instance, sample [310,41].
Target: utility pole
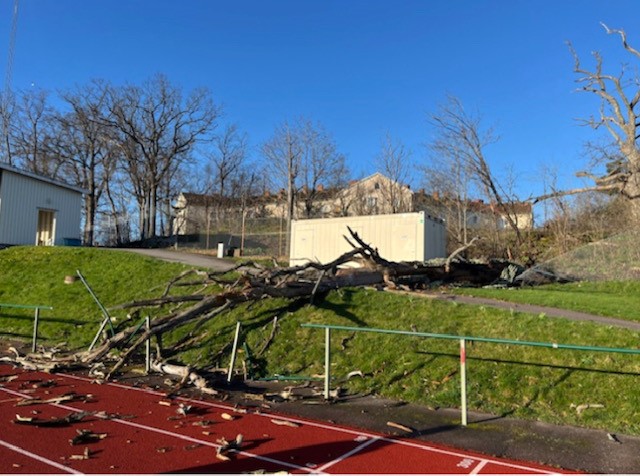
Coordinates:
[7,94]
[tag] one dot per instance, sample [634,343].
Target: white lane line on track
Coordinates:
[348,454]
[171,434]
[327,427]
[479,467]
[42,459]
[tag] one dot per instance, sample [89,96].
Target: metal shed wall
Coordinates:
[398,237]
[21,197]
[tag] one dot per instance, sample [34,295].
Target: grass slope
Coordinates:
[523,382]
[35,276]
[619,299]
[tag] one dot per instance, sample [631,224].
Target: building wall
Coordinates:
[398,237]
[21,197]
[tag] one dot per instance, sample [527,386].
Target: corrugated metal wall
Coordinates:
[20,199]
[398,237]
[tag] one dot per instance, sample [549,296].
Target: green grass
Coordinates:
[522,382]
[611,299]
[35,276]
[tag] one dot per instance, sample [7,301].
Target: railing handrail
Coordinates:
[25,306]
[462,339]
[476,339]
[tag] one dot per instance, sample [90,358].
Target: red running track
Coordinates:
[147,436]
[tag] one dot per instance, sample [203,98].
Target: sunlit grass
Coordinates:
[522,382]
[620,299]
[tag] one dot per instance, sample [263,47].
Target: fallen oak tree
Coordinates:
[303,281]
[298,282]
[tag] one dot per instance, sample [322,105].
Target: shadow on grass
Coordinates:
[15,334]
[342,309]
[41,319]
[568,371]
[533,364]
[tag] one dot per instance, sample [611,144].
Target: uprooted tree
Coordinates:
[309,282]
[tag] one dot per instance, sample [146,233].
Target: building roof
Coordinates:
[41,178]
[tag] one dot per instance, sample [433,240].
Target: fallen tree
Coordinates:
[309,281]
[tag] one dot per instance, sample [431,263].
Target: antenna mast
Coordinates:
[7,95]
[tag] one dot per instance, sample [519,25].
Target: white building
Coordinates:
[36,210]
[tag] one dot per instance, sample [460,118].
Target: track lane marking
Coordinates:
[42,459]
[168,433]
[424,447]
[348,454]
[479,467]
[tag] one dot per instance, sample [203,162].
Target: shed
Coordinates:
[37,210]
[398,237]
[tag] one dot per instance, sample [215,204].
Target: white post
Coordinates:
[327,362]
[35,329]
[233,353]
[148,346]
[463,382]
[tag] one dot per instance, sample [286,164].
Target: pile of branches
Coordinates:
[310,281]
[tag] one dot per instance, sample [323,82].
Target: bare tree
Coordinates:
[449,179]
[227,157]
[460,135]
[31,130]
[323,168]
[158,129]
[86,148]
[618,115]
[7,111]
[393,161]
[305,161]
[283,153]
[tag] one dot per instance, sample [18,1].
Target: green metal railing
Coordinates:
[36,318]
[463,357]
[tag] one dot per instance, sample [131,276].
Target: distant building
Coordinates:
[37,210]
[376,194]
[372,195]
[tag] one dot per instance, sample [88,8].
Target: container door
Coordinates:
[46,228]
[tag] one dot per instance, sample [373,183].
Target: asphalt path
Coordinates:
[217,264]
[176,256]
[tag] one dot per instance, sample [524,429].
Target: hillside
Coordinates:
[616,258]
[524,382]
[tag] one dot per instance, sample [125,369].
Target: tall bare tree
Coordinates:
[7,111]
[32,130]
[86,147]
[449,179]
[227,158]
[460,135]
[323,167]
[619,95]
[283,153]
[158,128]
[393,161]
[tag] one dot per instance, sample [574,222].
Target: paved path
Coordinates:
[192,259]
[535,309]
[218,264]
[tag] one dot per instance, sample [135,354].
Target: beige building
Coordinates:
[376,195]
[372,195]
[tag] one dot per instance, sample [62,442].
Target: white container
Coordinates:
[398,237]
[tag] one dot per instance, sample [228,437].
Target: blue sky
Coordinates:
[361,68]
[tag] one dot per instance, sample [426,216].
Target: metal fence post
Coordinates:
[35,329]
[463,381]
[233,353]
[327,363]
